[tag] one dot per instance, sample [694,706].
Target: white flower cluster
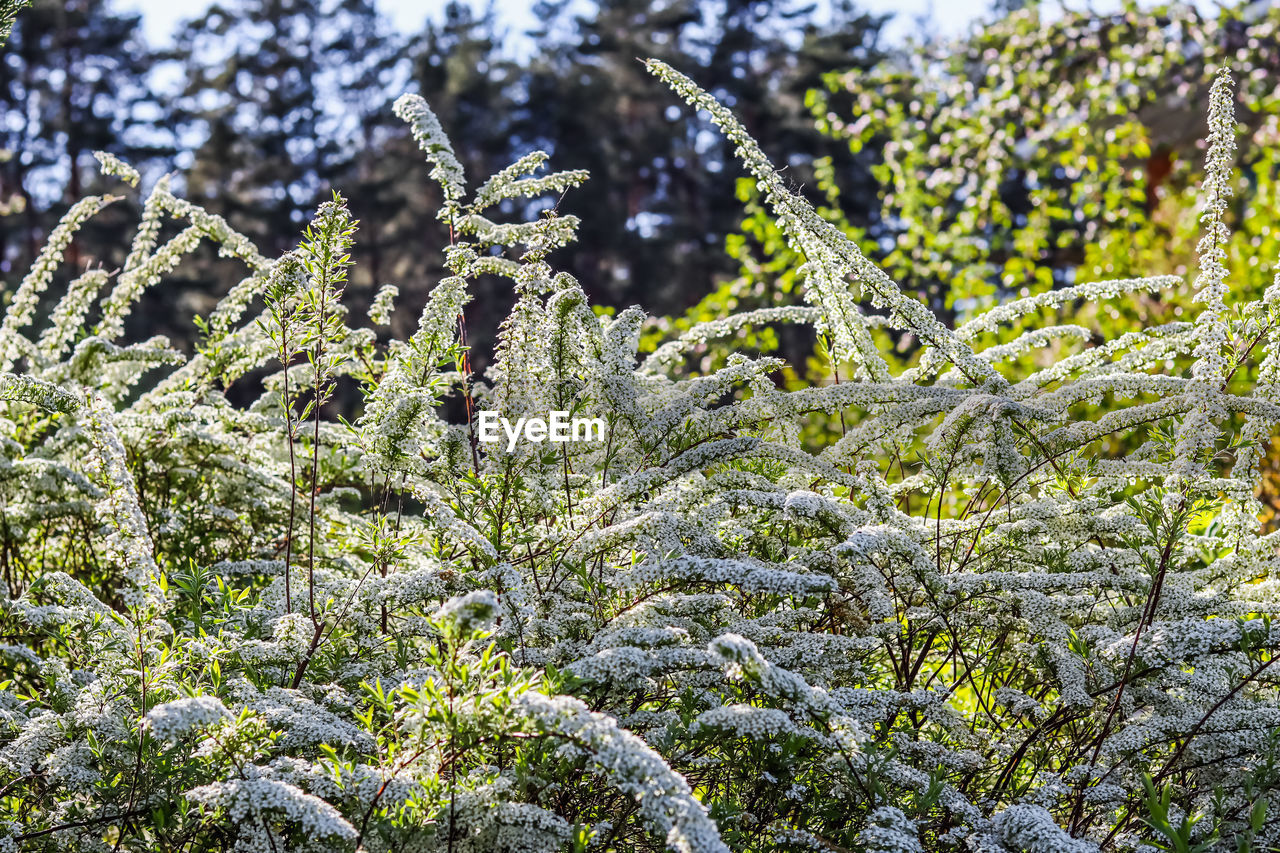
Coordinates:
[1199,430]
[37,392]
[248,801]
[432,140]
[1031,829]
[22,306]
[465,615]
[174,719]
[890,830]
[114,166]
[663,797]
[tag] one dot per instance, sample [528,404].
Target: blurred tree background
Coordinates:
[262,105]
[1043,149]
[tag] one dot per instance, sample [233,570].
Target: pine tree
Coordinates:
[656,221]
[73,81]
[590,103]
[270,90]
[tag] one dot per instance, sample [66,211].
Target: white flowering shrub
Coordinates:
[1000,610]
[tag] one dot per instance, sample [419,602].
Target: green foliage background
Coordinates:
[1044,150]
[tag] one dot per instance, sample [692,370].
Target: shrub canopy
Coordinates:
[996,609]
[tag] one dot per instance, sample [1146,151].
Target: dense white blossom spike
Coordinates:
[114,166]
[22,307]
[1200,430]
[431,138]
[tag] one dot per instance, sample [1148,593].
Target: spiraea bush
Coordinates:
[999,610]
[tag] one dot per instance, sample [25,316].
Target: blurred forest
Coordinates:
[261,106]
[1042,149]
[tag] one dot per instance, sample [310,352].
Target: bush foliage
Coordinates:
[992,609]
